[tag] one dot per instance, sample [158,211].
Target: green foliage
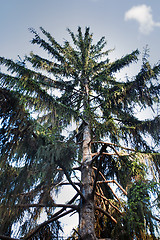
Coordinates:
[40,98]
[137,221]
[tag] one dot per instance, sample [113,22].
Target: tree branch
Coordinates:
[106,213]
[98,169]
[46,223]
[108,202]
[75,207]
[67,183]
[113,181]
[113,144]
[73,185]
[2,237]
[111,154]
[108,185]
[155,218]
[57,214]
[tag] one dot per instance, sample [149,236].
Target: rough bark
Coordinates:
[87,218]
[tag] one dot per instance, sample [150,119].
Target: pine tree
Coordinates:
[77,85]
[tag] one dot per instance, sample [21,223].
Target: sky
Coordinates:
[126,25]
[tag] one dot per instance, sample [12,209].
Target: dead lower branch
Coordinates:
[98,168]
[106,213]
[108,185]
[108,202]
[113,181]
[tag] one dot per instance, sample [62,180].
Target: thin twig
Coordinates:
[67,183]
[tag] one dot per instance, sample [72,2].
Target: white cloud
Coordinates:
[143,15]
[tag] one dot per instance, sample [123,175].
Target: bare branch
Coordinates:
[77,233]
[108,202]
[99,167]
[116,152]
[106,213]
[47,205]
[94,157]
[108,185]
[113,181]
[74,168]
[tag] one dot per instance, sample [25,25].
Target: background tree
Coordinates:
[77,85]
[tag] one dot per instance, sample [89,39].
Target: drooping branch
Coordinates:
[116,154]
[46,223]
[104,153]
[57,214]
[111,154]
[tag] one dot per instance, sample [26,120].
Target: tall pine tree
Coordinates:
[77,85]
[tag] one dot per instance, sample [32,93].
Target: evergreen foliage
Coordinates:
[78,85]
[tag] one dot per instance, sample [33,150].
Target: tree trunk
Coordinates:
[87,219]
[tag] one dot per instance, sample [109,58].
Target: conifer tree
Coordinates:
[78,85]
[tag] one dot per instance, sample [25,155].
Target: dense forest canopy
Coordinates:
[117,195]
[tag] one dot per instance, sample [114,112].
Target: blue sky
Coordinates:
[124,31]
[127,25]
